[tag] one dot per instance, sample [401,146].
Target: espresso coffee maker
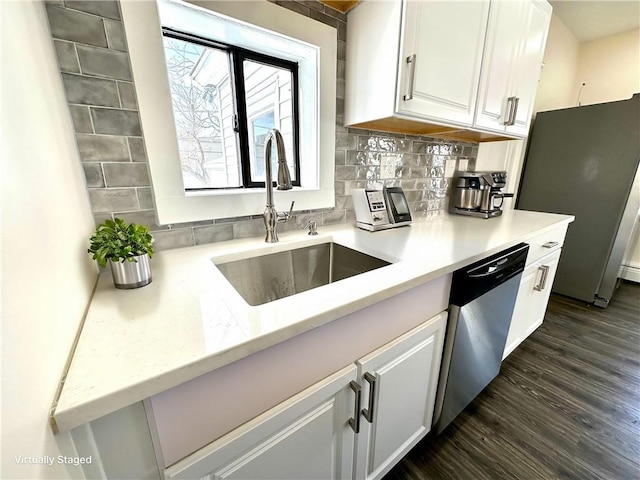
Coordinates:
[479,194]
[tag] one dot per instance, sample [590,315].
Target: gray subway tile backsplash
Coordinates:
[111,121]
[127,94]
[142,217]
[93,174]
[102,8]
[115,35]
[67,57]
[104,63]
[126,174]
[81,119]
[90,91]
[99,218]
[298,7]
[136,148]
[334,217]
[145,198]
[342,31]
[342,50]
[102,148]
[113,199]
[324,18]
[213,233]
[168,239]
[103,106]
[345,172]
[346,141]
[76,26]
[341,70]
[197,223]
[249,228]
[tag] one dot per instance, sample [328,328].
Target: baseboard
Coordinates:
[629,272]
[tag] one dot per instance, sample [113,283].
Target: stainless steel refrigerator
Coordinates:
[583,161]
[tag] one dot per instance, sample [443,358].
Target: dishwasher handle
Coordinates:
[493,268]
[479,278]
[496,267]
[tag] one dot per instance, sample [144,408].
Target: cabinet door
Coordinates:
[532,300]
[533,39]
[399,400]
[500,56]
[516,38]
[441,55]
[305,437]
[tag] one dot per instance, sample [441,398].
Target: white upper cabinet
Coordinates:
[436,66]
[441,57]
[516,38]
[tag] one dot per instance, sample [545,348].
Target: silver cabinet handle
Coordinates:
[368,412]
[550,244]
[543,278]
[354,422]
[411,60]
[514,112]
[509,109]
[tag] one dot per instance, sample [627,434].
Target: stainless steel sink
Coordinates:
[266,278]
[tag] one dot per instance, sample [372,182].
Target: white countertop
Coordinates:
[190,321]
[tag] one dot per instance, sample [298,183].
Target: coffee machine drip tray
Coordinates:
[476,212]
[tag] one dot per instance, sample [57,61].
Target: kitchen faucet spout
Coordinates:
[271,215]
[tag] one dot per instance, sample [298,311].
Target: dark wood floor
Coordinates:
[566,404]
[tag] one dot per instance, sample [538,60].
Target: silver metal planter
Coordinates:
[128,275]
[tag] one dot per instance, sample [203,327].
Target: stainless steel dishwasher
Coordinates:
[480,308]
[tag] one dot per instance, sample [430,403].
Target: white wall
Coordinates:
[557,81]
[47,276]
[610,67]
[630,269]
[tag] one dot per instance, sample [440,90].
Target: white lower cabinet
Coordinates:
[305,437]
[402,378]
[357,423]
[532,300]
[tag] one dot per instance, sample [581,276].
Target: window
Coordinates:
[266,30]
[225,100]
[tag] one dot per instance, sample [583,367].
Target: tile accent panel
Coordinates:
[92,55]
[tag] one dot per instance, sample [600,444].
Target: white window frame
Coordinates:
[317,108]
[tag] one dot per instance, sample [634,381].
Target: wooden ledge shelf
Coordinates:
[412,127]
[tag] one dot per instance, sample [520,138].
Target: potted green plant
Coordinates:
[127,249]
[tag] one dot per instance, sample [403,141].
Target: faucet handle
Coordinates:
[285,216]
